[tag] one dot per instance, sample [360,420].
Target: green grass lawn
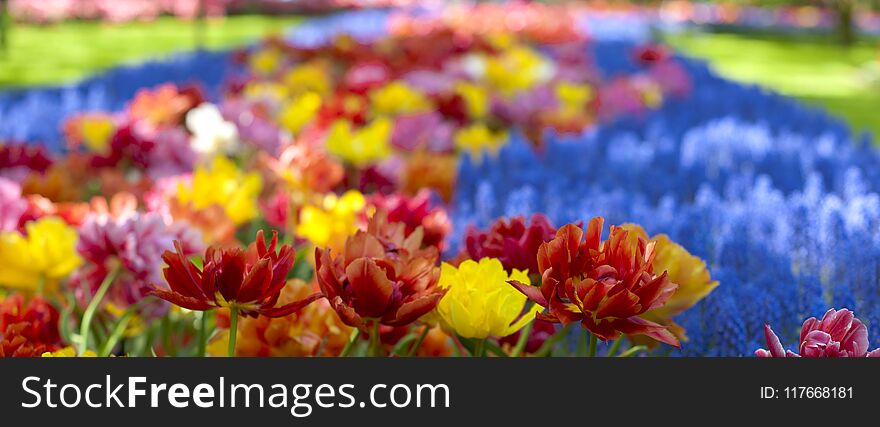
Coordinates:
[59,53]
[810,68]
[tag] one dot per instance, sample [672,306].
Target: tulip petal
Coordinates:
[231,275]
[621,305]
[180,275]
[776,349]
[411,311]
[531,292]
[256,282]
[346,313]
[291,308]
[371,287]
[184,301]
[520,323]
[637,326]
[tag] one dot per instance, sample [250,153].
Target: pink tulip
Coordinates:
[838,334]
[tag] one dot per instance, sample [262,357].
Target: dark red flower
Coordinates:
[512,241]
[382,275]
[651,53]
[603,285]
[247,281]
[838,334]
[127,144]
[31,157]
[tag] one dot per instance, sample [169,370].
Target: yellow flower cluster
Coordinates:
[300,111]
[331,222]
[478,138]
[363,146]
[40,258]
[68,352]
[223,184]
[398,98]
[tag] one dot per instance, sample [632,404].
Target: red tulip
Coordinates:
[42,318]
[247,281]
[22,340]
[838,334]
[383,275]
[603,285]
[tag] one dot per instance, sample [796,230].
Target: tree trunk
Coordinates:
[845,26]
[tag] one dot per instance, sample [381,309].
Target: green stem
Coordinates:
[614,346]
[203,334]
[581,349]
[547,348]
[355,333]
[523,339]
[92,308]
[233,331]
[415,348]
[633,350]
[479,348]
[41,285]
[116,334]
[375,349]
[593,342]
[321,345]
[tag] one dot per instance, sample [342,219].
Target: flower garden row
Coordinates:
[444,188]
[119,11]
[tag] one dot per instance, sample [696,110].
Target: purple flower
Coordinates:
[426,130]
[838,334]
[172,155]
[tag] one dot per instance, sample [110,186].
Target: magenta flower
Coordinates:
[513,241]
[838,334]
[134,244]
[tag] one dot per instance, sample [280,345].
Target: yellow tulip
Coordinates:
[477,138]
[40,258]
[476,99]
[310,77]
[225,185]
[479,302]
[397,98]
[266,61]
[652,95]
[300,111]
[517,69]
[686,270]
[96,133]
[361,147]
[329,224]
[573,96]
[268,90]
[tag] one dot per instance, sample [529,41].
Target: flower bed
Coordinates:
[442,188]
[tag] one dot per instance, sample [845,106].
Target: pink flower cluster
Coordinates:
[47,11]
[838,334]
